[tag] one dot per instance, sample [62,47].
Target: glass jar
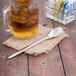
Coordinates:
[63,11]
[22,17]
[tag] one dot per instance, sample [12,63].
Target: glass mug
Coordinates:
[21,16]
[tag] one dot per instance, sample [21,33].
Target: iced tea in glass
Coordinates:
[23,18]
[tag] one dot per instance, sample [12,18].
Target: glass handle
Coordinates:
[5,17]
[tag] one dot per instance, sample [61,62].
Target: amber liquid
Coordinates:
[23,22]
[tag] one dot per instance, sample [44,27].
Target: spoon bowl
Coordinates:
[55,32]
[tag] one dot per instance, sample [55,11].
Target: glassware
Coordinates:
[21,16]
[59,13]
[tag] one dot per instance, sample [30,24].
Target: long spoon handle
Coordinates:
[27,47]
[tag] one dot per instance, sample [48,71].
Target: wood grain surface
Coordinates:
[60,62]
[67,49]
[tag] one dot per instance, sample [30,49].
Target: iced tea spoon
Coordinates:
[54,33]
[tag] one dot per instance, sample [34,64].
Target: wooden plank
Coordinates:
[46,64]
[42,19]
[68,49]
[15,67]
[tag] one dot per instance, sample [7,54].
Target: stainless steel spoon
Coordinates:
[54,33]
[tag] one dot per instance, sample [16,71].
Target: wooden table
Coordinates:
[60,62]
